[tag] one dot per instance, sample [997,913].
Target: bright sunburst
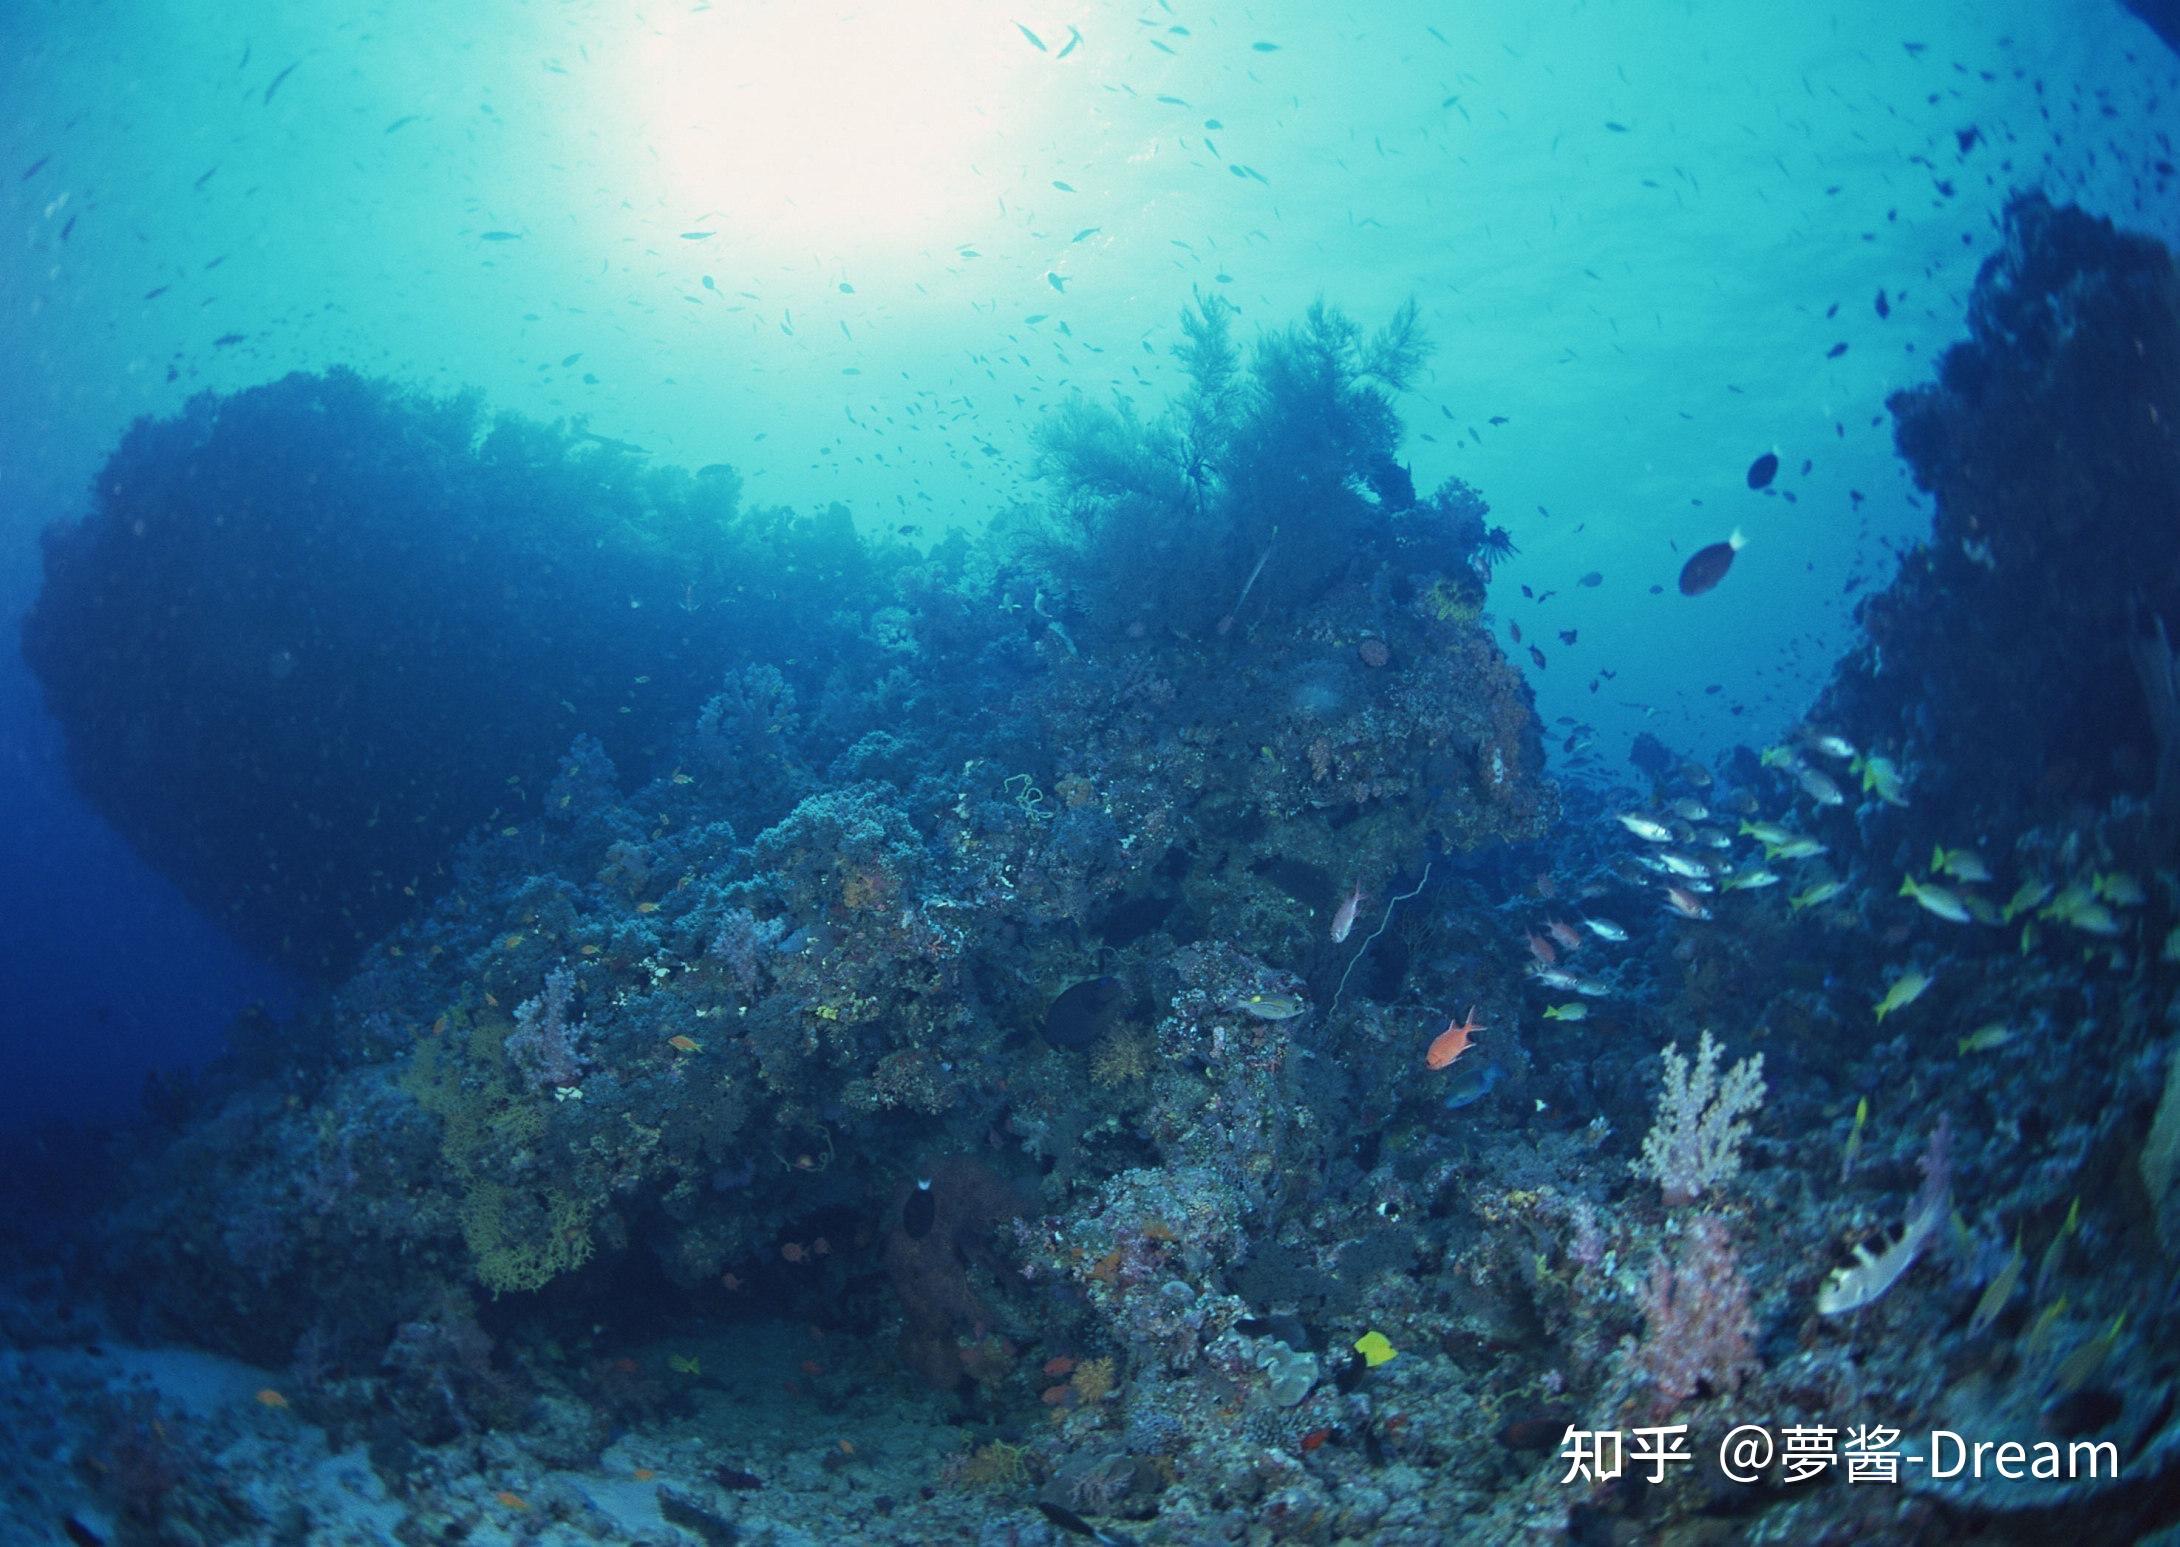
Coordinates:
[794,123]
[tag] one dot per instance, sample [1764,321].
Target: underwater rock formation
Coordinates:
[694,1001]
[1039,1004]
[308,635]
[2007,648]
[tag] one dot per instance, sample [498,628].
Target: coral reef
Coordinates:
[990,1022]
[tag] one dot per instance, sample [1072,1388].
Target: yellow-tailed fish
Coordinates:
[1998,1291]
[1810,897]
[1575,1010]
[1960,864]
[1984,1038]
[1881,778]
[1908,987]
[2032,893]
[2038,1337]
[2077,908]
[1854,1137]
[2048,1266]
[684,1364]
[1768,832]
[1981,909]
[2078,1366]
[1793,848]
[1935,899]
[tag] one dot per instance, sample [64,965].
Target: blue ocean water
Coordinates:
[587,528]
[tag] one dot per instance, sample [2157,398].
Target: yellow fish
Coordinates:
[1906,989]
[1960,864]
[684,1364]
[1375,1348]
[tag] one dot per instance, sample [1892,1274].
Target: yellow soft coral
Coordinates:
[523,1240]
[1094,1380]
[519,1238]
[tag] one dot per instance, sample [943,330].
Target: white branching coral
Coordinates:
[1702,1119]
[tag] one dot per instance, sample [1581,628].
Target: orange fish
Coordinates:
[687,1044]
[1053,1396]
[1058,1366]
[1315,1438]
[847,1447]
[812,1368]
[1541,949]
[793,1251]
[643,1474]
[271,1398]
[512,1500]
[821,1247]
[1565,934]
[732,1281]
[1453,1041]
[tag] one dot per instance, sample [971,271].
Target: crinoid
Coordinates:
[1492,547]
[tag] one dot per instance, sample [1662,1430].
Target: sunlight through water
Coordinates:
[800,127]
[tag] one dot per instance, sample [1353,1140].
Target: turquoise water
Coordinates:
[864,256]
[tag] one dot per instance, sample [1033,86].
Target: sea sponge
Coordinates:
[1292,1374]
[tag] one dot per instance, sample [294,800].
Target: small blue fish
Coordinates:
[1472,1085]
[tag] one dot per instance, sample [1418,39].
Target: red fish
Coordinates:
[1453,1041]
[1709,565]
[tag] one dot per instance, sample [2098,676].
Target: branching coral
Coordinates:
[1702,1120]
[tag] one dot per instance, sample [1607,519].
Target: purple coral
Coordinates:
[542,1045]
[1697,1320]
[743,941]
